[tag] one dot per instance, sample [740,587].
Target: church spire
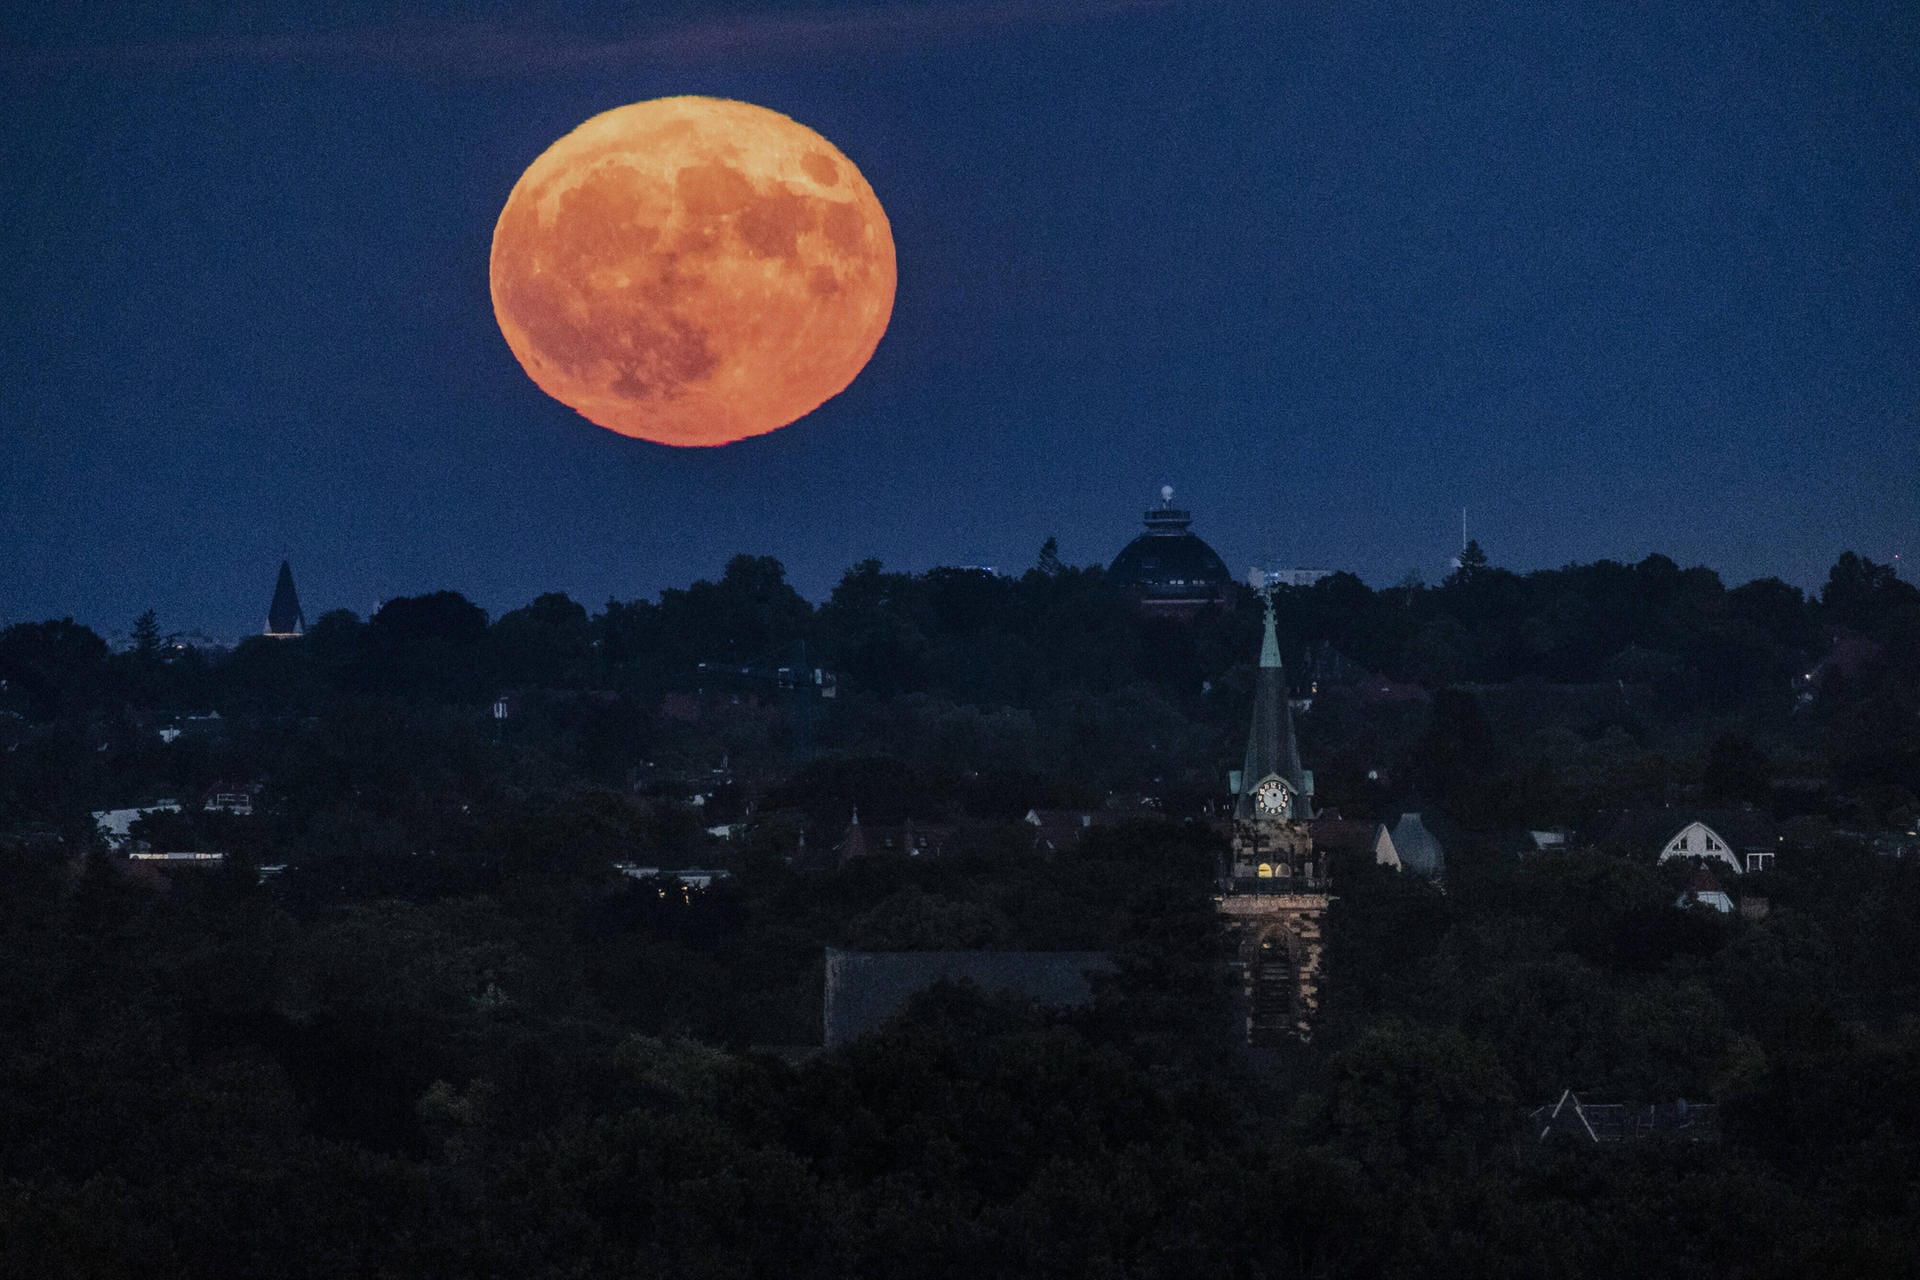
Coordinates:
[283,615]
[1271,748]
[1270,641]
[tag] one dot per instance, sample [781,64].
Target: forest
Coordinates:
[447,1037]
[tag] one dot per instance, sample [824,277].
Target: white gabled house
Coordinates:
[1741,840]
[1697,840]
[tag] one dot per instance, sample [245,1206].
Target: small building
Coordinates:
[1902,846]
[115,826]
[177,858]
[1740,847]
[1415,841]
[205,724]
[230,797]
[1058,830]
[907,839]
[1705,891]
[1296,577]
[865,988]
[1742,840]
[692,877]
[1593,1123]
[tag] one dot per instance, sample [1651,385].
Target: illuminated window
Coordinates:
[1266,870]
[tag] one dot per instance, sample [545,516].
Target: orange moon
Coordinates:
[692,271]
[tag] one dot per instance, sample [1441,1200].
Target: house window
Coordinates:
[1681,843]
[1266,870]
[1759,861]
[1712,844]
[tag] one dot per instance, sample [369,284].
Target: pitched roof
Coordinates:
[816,857]
[1342,835]
[916,839]
[865,988]
[1271,748]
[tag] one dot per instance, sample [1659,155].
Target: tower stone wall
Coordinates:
[1277,940]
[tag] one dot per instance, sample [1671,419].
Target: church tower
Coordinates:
[1275,894]
[1273,797]
[284,619]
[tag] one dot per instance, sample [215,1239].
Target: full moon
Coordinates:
[692,271]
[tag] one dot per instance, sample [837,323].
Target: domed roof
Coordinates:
[1169,562]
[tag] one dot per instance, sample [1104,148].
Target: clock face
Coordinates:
[1271,797]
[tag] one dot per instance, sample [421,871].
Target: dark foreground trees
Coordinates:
[214,1080]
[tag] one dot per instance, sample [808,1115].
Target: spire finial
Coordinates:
[1166,495]
[1262,584]
[1270,640]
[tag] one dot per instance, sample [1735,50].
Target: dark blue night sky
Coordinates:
[1616,282]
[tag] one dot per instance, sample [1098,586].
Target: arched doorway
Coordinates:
[1273,985]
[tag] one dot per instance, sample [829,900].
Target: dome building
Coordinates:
[1168,568]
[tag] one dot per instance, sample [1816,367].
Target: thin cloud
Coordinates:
[488,50]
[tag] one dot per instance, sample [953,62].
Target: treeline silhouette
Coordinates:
[1507,697]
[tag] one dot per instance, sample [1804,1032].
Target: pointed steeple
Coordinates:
[854,843]
[1271,749]
[283,615]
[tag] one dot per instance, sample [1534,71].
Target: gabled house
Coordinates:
[1739,851]
[1742,840]
[1547,840]
[692,878]
[1057,830]
[230,797]
[908,839]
